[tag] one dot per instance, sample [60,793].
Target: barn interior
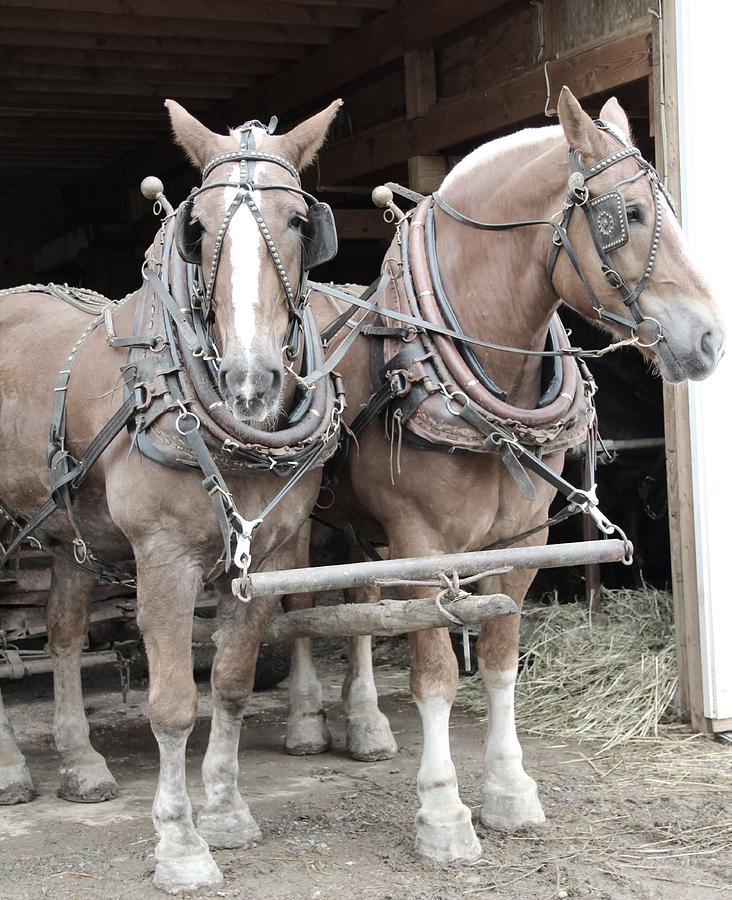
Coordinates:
[424,82]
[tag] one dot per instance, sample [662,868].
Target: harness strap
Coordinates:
[358,302]
[213,481]
[375,289]
[185,330]
[75,476]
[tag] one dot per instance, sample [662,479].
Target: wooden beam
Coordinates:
[382,40]
[65,21]
[172,64]
[96,89]
[489,109]
[362,225]
[281,12]
[84,129]
[387,617]
[104,77]
[426,173]
[90,106]
[411,24]
[124,43]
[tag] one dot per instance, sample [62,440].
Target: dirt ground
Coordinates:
[336,829]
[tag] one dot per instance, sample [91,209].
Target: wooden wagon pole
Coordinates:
[385,619]
[325,578]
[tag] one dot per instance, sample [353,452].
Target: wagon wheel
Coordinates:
[273,663]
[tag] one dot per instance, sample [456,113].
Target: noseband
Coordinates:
[320,246]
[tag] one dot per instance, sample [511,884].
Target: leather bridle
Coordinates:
[323,245]
[579,198]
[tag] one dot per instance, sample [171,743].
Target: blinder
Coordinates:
[188,234]
[609,220]
[320,243]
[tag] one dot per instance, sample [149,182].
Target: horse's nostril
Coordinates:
[711,344]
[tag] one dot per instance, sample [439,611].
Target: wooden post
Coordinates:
[420,87]
[664,117]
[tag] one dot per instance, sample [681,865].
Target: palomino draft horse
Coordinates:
[206,349]
[620,260]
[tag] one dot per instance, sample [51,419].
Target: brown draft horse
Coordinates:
[130,506]
[440,502]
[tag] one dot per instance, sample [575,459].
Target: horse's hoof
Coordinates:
[369,737]
[451,839]
[226,830]
[182,874]
[506,811]
[16,785]
[308,735]
[89,783]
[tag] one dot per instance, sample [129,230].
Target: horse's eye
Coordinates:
[635,214]
[296,221]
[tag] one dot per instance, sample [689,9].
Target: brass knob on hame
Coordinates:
[382,196]
[151,187]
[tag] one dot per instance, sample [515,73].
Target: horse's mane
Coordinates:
[493,150]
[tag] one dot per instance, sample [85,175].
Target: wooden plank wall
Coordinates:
[422,82]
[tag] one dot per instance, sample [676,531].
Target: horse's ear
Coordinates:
[614,113]
[199,143]
[303,142]
[579,129]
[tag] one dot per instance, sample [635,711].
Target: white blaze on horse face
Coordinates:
[246,248]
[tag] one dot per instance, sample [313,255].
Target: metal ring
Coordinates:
[187,414]
[159,343]
[659,335]
[451,397]
[80,551]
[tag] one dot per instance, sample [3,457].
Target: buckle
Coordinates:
[612,277]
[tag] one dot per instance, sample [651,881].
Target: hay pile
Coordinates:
[667,792]
[611,683]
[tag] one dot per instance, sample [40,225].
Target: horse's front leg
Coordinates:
[226,820]
[444,826]
[510,799]
[167,588]
[16,785]
[85,777]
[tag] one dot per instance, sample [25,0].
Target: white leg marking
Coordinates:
[183,859]
[510,800]
[368,733]
[444,828]
[226,820]
[307,726]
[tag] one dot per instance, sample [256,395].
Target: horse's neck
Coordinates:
[496,281]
